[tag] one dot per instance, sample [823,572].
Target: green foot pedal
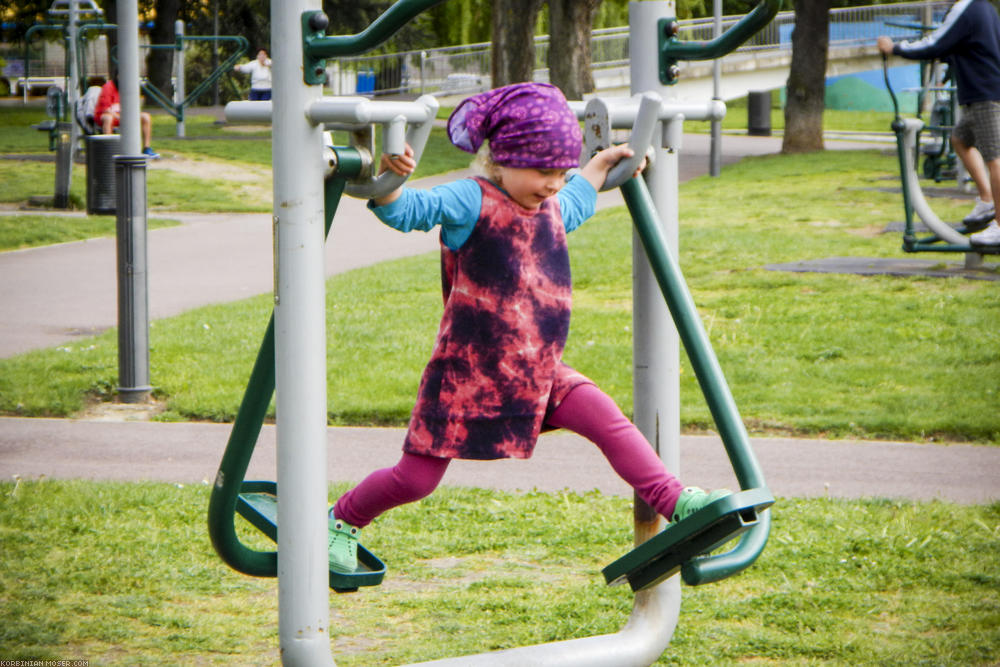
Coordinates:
[258,504]
[707,529]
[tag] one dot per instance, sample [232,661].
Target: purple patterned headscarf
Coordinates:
[527,124]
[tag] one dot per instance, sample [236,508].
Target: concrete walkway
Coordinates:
[54,295]
[189,453]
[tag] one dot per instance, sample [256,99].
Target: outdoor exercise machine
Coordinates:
[309,178]
[64,133]
[944,237]
[687,545]
[182,100]
[940,161]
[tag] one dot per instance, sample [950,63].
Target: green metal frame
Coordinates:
[317,46]
[177,110]
[713,385]
[673,49]
[229,481]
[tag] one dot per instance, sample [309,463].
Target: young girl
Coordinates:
[496,377]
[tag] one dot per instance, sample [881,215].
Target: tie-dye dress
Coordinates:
[496,368]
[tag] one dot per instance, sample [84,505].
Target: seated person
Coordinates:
[107,114]
[88,103]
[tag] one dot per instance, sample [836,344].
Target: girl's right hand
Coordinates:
[402,165]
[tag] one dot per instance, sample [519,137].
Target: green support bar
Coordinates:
[177,110]
[713,385]
[673,49]
[317,46]
[250,418]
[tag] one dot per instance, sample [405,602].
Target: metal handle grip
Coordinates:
[599,118]
[417,117]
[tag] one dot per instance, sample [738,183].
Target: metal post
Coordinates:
[179,90]
[64,163]
[423,73]
[128,76]
[656,358]
[300,349]
[715,157]
[72,96]
[130,178]
[133,280]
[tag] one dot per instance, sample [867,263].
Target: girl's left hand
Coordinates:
[596,170]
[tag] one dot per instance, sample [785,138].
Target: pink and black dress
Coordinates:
[496,368]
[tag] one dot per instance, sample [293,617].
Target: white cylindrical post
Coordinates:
[128,76]
[300,349]
[715,156]
[656,344]
[656,361]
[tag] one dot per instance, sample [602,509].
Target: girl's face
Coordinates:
[530,187]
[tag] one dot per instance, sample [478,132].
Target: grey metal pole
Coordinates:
[64,163]
[715,156]
[179,88]
[130,178]
[133,280]
[656,359]
[300,349]
[64,160]
[128,76]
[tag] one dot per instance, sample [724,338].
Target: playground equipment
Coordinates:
[939,158]
[686,546]
[945,237]
[63,131]
[310,177]
[175,107]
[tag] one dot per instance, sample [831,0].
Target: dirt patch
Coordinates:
[121,412]
[252,182]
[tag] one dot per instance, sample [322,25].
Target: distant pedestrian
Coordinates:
[260,76]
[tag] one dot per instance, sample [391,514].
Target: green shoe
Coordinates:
[693,499]
[342,541]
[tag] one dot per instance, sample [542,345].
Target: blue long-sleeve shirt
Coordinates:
[969,39]
[456,207]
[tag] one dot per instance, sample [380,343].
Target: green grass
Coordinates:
[124,574]
[833,119]
[826,355]
[27,231]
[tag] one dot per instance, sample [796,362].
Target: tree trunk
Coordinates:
[806,86]
[160,62]
[513,51]
[570,25]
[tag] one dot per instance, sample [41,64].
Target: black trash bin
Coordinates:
[102,195]
[759,113]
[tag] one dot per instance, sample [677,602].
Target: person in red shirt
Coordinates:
[107,115]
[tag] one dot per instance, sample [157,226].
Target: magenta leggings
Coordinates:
[585,410]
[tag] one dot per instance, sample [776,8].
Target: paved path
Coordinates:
[52,295]
[190,453]
[55,294]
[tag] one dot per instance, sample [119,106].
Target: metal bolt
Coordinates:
[319,22]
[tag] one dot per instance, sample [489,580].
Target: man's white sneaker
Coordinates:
[989,236]
[982,213]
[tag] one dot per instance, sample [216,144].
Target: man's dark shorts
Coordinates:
[979,126]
